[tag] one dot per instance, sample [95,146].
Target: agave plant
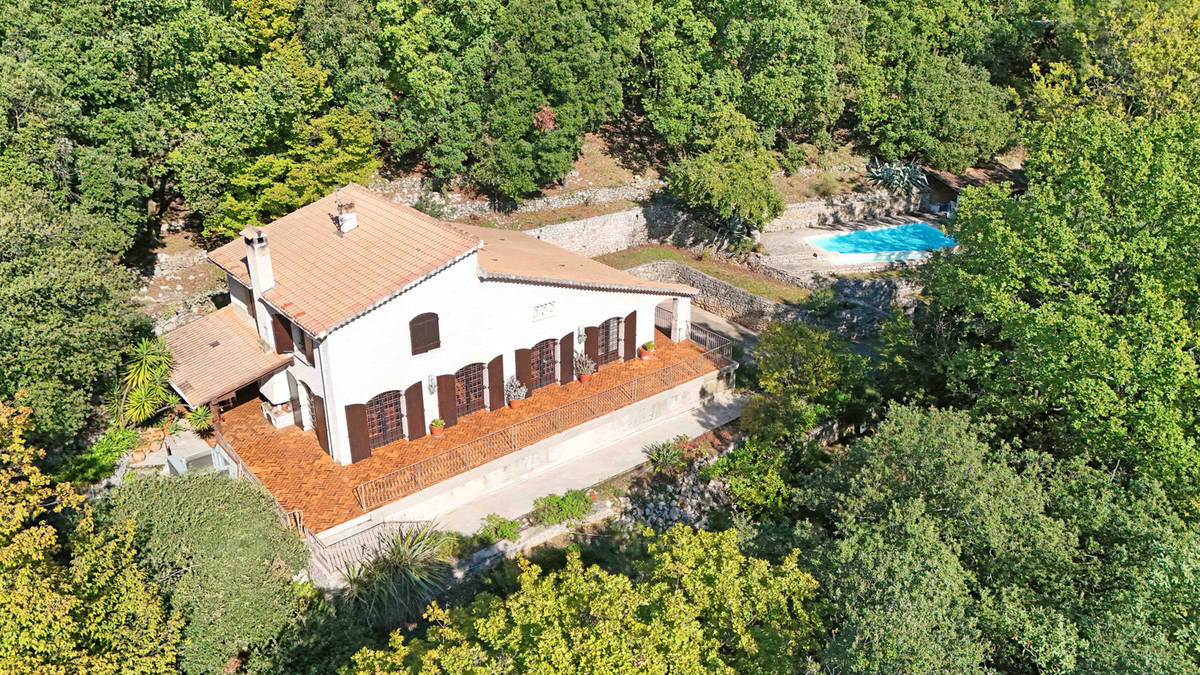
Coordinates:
[897,176]
[397,582]
[144,392]
[200,419]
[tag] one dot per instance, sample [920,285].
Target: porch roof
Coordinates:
[217,355]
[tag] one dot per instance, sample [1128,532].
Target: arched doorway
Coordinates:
[470,389]
[610,341]
[385,418]
[543,359]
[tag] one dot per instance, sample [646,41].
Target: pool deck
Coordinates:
[790,251]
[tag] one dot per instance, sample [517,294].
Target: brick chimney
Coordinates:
[258,260]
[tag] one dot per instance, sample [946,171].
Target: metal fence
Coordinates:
[446,464]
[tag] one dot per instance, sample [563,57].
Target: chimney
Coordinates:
[258,260]
[347,219]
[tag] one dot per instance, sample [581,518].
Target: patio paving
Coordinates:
[292,466]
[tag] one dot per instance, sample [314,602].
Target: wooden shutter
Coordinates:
[360,436]
[447,403]
[318,415]
[495,369]
[414,410]
[424,334]
[308,348]
[283,334]
[566,358]
[524,366]
[591,344]
[631,344]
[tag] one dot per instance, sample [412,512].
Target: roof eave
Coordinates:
[588,285]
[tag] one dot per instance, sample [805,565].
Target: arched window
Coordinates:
[385,418]
[542,362]
[610,341]
[470,391]
[423,332]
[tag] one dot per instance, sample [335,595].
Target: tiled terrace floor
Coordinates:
[291,464]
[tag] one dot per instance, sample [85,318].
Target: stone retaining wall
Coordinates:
[655,222]
[846,208]
[719,297]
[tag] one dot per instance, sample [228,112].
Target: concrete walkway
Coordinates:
[602,463]
[724,327]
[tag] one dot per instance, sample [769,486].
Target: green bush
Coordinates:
[555,509]
[98,461]
[665,455]
[395,585]
[496,527]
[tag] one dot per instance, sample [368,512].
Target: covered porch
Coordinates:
[303,478]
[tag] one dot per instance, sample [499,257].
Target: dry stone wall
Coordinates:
[720,298]
[846,208]
[655,222]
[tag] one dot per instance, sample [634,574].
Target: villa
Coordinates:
[358,328]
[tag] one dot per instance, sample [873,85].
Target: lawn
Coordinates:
[758,284]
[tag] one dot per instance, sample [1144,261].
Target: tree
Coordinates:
[1068,316]
[79,605]
[730,179]
[225,559]
[68,313]
[700,606]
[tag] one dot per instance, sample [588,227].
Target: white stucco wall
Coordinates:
[478,320]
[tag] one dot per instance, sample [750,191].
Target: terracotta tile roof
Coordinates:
[516,256]
[324,278]
[217,354]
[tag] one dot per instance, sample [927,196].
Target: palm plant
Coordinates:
[143,392]
[396,583]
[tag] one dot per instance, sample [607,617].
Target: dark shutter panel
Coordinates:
[360,438]
[524,367]
[283,334]
[414,410]
[423,333]
[496,383]
[318,415]
[566,358]
[308,349]
[631,344]
[591,345]
[447,404]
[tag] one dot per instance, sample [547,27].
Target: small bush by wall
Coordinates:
[555,509]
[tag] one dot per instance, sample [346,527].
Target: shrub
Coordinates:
[438,423]
[99,461]
[665,455]
[555,509]
[200,419]
[496,527]
[584,364]
[396,584]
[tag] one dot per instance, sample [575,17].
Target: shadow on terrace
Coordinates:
[292,466]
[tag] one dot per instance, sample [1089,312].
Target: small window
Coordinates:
[424,333]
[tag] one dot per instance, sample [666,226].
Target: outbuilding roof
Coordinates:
[218,354]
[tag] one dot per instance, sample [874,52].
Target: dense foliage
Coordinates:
[699,605]
[74,599]
[224,560]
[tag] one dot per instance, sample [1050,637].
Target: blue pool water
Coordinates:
[898,242]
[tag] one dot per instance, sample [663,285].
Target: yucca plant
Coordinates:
[144,392]
[200,419]
[395,584]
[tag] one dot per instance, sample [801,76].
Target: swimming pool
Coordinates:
[894,242]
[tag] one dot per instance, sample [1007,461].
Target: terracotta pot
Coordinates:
[138,455]
[585,377]
[516,403]
[436,432]
[643,353]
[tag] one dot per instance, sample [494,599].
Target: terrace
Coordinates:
[318,493]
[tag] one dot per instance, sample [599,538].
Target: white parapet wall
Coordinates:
[434,502]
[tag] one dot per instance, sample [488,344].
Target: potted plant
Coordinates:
[584,367]
[515,392]
[436,427]
[644,350]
